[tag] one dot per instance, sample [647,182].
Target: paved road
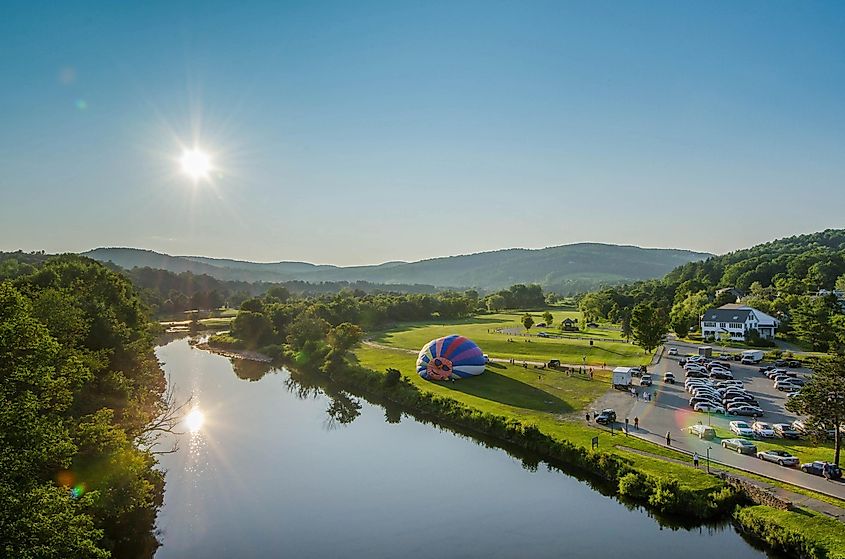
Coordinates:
[669,411]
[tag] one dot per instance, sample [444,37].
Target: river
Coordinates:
[272,467]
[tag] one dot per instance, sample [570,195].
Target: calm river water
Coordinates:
[272,468]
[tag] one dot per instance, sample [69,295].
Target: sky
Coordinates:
[363,132]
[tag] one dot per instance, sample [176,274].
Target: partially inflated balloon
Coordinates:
[450,357]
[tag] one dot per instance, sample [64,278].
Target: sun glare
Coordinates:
[194,420]
[196,164]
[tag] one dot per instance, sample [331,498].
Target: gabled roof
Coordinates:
[727,315]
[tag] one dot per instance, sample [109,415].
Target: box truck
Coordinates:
[752,356]
[622,376]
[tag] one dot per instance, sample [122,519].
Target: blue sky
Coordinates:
[360,132]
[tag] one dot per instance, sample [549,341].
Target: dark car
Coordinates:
[553,363]
[742,446]
[781,363]
[745,410]
[786,431]
[816,468]
[606,417]
[793,364]
[739,401]
[764,369]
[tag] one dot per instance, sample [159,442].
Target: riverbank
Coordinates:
[671,489]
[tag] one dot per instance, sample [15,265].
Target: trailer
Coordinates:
[705,351]
[622,377]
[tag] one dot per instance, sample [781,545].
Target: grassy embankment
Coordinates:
[483,330]
[546,398]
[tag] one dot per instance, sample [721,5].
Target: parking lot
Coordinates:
[668,411]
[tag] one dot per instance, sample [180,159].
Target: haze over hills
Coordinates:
[566,268]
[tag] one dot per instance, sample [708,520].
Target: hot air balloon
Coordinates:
[449,358]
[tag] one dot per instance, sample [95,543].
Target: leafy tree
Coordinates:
[495,303]
[812,321]
[254,305]
[823,400]
[840,283]
[278,294]
[685,314]
[649,325]
[548,318]
[627,331]
[344,337]
[253,328]
[527,321]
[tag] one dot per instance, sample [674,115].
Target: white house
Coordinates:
[735,321]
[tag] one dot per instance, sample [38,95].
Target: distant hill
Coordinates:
[566,269]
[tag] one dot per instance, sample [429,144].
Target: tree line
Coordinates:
[80,388]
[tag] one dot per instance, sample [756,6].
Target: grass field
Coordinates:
[512,343]
[550,399]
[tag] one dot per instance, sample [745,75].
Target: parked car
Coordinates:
[721,374]
[702,431]
[781,363]
[703,399]
[763,429]
[740,401]
[673,351]
[786,431]
[793,364]
[741,429]
[606,417]
[709,407]
[645,380]
[745,410]
[765,369]
[786,386]
[696,374]
[543,335]
[816,468]
[779,457]
[669,378]
[742,446]
[553,363]
[799,426]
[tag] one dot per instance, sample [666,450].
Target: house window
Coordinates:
[721,325]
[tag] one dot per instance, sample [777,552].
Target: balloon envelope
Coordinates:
[450,357]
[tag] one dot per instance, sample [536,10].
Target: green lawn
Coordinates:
[482,330]
[547,398]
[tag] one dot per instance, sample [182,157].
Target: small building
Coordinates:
[734,322]
[569,325]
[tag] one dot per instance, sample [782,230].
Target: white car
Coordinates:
[702,431]
[673,351]
[741,429]
[799,426]
[709,408]
[763,429]
[779,457]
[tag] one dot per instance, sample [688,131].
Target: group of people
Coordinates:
[636,394]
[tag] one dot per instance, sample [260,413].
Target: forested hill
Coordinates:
[565,269]
[790,278]
[815,260]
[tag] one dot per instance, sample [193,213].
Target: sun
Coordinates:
[194,420]
[196,164]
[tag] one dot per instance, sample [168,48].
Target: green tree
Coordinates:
[495,303]
[812,321]
[840,283]
[527,321]
[823,400]
[252,328]
[344,337]
[649,325]
[277,294]
[625,323]
[686,312]
[253,305]
[548,318]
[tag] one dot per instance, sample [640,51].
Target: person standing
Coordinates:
[826,471]
[668,439]
[637,422]
[695,460]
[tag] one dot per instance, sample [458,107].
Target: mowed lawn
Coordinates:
[513,343]
[547,398]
